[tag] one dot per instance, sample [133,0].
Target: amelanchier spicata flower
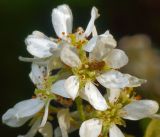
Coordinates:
[83,61]
[36,107]
[104,123]
[42,47]
[62,20]
[100,65]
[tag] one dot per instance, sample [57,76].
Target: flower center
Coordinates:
[88,71]
[76,39]
[111,116]
[44,94]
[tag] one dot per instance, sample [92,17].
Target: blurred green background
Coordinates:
[18,18]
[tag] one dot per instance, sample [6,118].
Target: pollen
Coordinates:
[95,65]
[138,97]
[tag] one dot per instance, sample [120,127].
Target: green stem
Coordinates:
[80,108]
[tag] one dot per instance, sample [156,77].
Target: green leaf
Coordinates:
[153,129]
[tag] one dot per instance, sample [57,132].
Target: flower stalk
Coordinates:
[80,109]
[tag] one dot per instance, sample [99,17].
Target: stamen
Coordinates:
[26,59]
[37,61]
[138,97]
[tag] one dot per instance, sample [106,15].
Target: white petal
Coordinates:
[140,109]
[59,89]
[134,81]
[47,130]
[39,45]
[94,16]
[113,95]
[114,131]
[91,44]
[108,40]
[116,59]
[37,74]
[64,121]
[9,118]
[72,86]
[113,79]
[91,128]
[32,132]
[45,116]
[28,107]
[104,44]
[94,31]
[22,111]
[39,34]
[70,58]
[62,20]
[94,97]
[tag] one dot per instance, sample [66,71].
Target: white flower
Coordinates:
[27,109]
[72,84]
[62,20]
[47,50]
[136,110]
[40,46]
[101,48]
[87,70]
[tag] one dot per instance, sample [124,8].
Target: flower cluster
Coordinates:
[70,70]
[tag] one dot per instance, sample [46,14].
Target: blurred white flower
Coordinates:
[143,64]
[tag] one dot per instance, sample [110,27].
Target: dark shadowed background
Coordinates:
[18,18]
